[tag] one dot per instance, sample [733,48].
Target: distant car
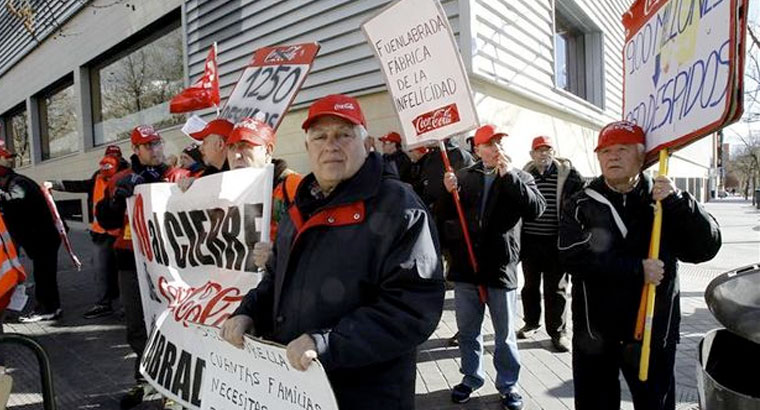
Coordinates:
[722,194]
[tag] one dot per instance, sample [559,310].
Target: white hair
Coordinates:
[641,148]
[360,132]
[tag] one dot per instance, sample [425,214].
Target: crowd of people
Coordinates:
[362,246]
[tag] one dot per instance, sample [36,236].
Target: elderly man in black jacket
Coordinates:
[603,243]
[495,197]
[355,277]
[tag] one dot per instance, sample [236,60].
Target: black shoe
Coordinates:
[512,401]
[461,393]
[132,397]
[561,343]
[527,331]
[38,316]
[98,311]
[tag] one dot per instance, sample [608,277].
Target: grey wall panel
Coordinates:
[345,64]
[16,41]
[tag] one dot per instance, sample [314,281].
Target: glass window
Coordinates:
[58,121]
[574,33]
[135,86]
[17,136]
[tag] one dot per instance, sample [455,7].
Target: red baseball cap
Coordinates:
[391,137]
[219,126]
[4,152]
[143,134]
[422,150]
[620,132]
[339,105]
[486,133]
[252,131]
[542,141]
[113,150]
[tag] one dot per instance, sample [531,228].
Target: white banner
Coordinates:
[423,70]
[258,376]
[680,68]
[194,258]
[270,82]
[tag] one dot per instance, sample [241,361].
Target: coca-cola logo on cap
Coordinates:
[344,107]
[146,130]
[440,117]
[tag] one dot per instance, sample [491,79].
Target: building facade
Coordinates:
[77,75]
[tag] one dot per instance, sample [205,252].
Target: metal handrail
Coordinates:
[46,374]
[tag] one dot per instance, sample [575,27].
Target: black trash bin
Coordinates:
[757,198]
[729,358]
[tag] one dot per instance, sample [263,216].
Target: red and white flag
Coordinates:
[204,93]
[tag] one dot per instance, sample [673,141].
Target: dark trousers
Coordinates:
[106,269]
[137,336]
[540,259]
[45,270]
[596,368]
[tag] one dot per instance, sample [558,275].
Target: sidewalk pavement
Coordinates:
[92,364]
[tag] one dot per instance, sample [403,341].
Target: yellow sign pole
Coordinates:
[654,253]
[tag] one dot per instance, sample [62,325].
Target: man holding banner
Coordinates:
[495,196]
[603,242]
[148,166]
[355,278]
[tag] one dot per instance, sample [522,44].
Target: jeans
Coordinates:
[106,270]
[469,313]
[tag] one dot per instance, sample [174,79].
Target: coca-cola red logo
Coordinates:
[284,54]
[435,119]
[208,305]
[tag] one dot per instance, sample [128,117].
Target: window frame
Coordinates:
[584,54]
[154,31]
[8,137]
[44,134]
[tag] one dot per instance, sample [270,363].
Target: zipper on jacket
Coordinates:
[670,319]
[585,304]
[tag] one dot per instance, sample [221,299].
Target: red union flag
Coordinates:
[435,119]
[204,93]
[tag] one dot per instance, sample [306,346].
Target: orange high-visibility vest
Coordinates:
[98,193]
[11,271]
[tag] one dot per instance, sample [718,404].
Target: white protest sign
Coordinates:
[194,259]
[423,70]
[270,82]
[680,60]
[258,377]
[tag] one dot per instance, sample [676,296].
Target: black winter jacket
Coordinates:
[427,173]
[26,214]
[359,271]
[495,236]
[606,267]
[402,164]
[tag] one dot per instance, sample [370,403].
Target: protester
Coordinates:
[557,181]
[213,139]
[106,273]
[603,242]
[147,166]
[191,159]
[213,145]
[364,284]
[251,144]
[392,152]
[31,225]
[495,196]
